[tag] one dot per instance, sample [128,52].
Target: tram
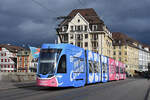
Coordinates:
[66,65]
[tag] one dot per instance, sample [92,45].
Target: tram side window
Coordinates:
[104,68]
[91,67]
[82,65]
[112,68]
[62,65]
[96,67]
[117,69]
[123,70]
[78,66]
[120,70]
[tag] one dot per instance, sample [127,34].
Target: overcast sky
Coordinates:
[34,21]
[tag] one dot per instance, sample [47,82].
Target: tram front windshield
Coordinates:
[48,60]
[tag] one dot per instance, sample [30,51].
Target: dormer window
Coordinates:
[64,28]
[94,27]
[119,41]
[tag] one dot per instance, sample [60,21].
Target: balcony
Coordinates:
[94,39]
[79,39]
[94,47]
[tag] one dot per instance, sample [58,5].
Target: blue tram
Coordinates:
[105,68]
[66,65]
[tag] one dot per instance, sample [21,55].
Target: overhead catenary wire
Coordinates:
[43,6]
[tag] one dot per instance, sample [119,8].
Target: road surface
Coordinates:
[129,89]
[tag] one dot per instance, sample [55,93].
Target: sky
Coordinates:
[33,22]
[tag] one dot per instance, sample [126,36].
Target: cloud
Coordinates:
[27,22]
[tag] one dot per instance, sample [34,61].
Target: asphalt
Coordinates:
[6,85]
[129,89]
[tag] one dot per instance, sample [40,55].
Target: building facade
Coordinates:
[8,57]
[26,62]
[144,57]
[126,50]
[84,28]
[23,61]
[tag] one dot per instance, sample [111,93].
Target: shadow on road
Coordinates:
[32,86]
[147,93]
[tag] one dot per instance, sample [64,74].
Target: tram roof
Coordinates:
[59,46]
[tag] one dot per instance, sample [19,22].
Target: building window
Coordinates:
[5,60]
[94,44]
[1,54]
[94,27]
[86,44]
[71,28]
[114,53]
[64,28]
[79,28]
[125,52]
[125,47]
[1,60]
[125,59]
[119,58]
[65,37]
[119,52]
[78,44]
[119,47]
[119,41]
[85,28]
[86,36]
[114,47]
[95,36]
